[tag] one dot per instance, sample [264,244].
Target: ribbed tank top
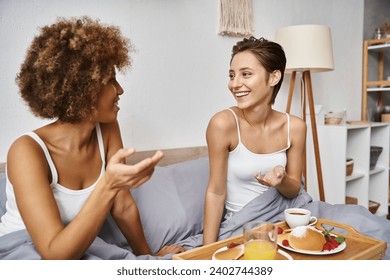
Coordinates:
[243,165]
[69,201]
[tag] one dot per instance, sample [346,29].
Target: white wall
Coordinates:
[180,72]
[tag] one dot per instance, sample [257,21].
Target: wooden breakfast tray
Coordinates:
[359,246]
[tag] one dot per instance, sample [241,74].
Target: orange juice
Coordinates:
[259,250]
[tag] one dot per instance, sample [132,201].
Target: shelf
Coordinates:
[339,142]
[354,176]
[357,126]
[377,170]
[381,85]
[378,47]
[379,124]
[378,43]
[378,89]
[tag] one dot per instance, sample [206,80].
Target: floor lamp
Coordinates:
[308,49]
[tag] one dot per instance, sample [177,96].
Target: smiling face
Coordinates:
[107,104]
[249,82]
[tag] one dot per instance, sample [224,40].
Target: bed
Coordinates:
[171,207]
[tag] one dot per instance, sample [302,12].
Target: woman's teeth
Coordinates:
[240,94]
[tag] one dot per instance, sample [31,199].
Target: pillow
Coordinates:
[3,198]
[171,203]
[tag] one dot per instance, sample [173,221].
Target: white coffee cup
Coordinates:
[299,217]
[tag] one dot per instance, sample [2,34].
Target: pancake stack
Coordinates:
[306,238]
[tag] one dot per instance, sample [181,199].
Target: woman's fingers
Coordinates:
[272,178]
[120,156]
[145,166]
[131,176]
[170,249]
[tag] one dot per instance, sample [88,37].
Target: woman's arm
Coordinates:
[29,174]
[218,144]
[126,216]
[124,210]
[291,183]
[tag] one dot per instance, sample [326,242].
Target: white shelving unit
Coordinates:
[380,85]
[339,142]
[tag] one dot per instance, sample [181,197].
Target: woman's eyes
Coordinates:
[244,74]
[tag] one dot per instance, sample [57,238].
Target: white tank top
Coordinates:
[69,201]
[243,165]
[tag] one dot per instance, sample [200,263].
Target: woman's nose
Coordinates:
[119,89]
[236,82]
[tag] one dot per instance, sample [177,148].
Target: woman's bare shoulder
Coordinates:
[222,119]
[297,123]
[298,129]
[25,154]
[23,144]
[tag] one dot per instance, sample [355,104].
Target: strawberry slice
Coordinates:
[326,247]
[231,245]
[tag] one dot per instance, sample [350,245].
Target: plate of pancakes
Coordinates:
[307,240]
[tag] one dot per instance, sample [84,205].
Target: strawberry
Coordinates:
[326,247]
[285,242]
[280,230]
[231,245]
[332,242]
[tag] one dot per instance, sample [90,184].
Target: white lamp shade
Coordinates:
[307,47]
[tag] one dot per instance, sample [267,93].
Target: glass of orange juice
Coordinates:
[260,241]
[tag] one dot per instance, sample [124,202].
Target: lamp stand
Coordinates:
[307,88]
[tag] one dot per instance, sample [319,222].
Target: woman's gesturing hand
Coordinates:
[120,175]
[272,178]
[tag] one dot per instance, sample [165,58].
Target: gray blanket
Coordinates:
[268,206]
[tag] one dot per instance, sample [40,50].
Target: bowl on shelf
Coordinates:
[351,200]
[375,152]
[334,117]
[349,166]
[373,206]
[385,117]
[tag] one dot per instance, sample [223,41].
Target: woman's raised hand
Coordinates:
[123,176]
[272,178]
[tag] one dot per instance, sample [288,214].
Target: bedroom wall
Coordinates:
[179,77]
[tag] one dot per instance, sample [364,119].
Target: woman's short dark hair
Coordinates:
[270,54]
[66,66]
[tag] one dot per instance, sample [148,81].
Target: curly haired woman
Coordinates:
[65,178]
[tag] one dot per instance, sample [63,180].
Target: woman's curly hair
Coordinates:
[67,64]
[270,54]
